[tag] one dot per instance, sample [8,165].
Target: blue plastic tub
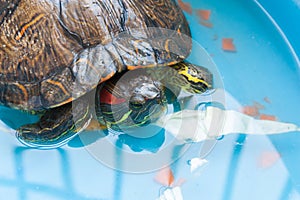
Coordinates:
[262,71]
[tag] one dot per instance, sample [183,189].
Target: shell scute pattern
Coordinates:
[46,43]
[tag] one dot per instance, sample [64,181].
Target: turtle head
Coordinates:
[147,101]
[135,100]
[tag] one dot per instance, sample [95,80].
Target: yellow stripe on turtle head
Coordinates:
[185,72]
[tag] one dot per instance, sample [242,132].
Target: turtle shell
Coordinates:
[52,52]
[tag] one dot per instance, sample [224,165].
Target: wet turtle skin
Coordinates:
[52,52]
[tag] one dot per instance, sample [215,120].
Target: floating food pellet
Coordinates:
[251,111]
[268,159]
[227,45]
[186,7]
[267,117]
[165,177]
[206,24]
[204,14]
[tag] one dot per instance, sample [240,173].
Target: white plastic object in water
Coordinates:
[197,163]
[196,125]
[171,194]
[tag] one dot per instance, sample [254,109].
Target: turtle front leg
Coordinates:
[56,126]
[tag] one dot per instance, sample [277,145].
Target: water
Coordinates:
[239,167]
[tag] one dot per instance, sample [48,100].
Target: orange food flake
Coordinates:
[227,44]
[165,177]
[267,117]
[206,24]
[204,14]
[185,6]
[268,159]
[251,111]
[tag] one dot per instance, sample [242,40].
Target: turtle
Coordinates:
[55,55]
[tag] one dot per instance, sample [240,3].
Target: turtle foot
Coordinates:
[56,127]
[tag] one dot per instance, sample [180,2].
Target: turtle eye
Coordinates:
[136,106]
[137,102]
[149,91]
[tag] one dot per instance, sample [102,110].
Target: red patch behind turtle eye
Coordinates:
[109,98]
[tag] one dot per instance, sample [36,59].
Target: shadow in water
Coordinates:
[151,144]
